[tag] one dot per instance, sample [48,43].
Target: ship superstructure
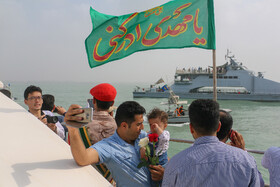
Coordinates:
[234,82]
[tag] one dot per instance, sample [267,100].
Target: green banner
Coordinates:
[176,24]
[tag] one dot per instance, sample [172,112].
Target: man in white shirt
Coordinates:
[271,161]
[33,99]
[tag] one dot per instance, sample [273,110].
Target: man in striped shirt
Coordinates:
[209,162]
[271,161]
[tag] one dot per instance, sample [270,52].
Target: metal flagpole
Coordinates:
[214,76]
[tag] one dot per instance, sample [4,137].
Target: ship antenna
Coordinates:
[227,55]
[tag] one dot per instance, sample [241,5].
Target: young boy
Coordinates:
[158,122]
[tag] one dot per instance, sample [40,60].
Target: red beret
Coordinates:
[104,92]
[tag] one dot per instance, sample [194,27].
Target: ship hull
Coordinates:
[220,96]
[178,119]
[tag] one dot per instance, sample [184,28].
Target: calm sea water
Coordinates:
[258,122]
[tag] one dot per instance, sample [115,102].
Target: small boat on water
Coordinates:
[234,82]
[173,119]
[176,112]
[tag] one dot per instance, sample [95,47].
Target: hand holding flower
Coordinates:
[148,159]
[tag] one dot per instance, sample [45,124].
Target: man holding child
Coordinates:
[120,152]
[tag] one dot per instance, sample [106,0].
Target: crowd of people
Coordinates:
[112,144]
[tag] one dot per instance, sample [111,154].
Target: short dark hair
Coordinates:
[157,113]
[103,105]
[126,112]
[226,124]
[204,116]
[31,89]
[48,102]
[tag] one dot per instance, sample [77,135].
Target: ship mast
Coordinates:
[214,76]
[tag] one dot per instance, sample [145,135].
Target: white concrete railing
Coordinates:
[33,155]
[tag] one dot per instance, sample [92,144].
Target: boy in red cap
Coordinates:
[103,124]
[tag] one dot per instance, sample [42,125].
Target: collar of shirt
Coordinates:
[206,139]
[124,143]
[100,113]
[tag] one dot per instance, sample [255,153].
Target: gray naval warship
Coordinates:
[234,82]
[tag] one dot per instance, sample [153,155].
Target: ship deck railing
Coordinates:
[199,71]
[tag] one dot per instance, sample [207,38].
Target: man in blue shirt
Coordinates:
[209,162]
[120,152]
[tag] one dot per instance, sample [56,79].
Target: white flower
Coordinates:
[143,142]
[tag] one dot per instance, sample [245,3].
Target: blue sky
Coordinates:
[43,40]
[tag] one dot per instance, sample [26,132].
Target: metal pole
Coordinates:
[214,76]
[191,141]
